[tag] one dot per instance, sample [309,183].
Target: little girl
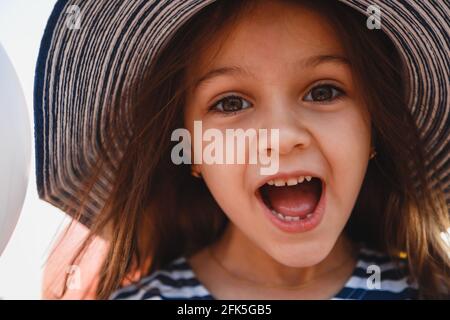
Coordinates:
[356,209]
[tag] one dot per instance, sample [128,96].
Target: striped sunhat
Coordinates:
[81,71]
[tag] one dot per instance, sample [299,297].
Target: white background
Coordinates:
[22,24]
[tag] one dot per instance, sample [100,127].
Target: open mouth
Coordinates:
[292,199]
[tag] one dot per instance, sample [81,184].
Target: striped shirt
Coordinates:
[374,277]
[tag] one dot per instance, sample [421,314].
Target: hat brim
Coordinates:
[80,72]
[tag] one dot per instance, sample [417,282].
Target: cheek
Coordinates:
[345,143]
[226,184]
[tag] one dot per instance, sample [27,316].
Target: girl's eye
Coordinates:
[323,93]
[230,104]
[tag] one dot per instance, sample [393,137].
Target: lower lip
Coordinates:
[301,225]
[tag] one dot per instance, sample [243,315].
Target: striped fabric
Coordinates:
[178,281]
[82,74]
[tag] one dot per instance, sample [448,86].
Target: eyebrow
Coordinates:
[238,70]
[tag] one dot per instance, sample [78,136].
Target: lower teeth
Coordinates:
[290,218]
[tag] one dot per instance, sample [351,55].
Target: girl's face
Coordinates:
[285,69]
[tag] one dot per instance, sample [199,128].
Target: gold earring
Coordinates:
[196,174]
[373,153]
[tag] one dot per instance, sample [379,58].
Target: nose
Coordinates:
[293,129]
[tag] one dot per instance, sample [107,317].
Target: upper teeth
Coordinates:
[289,181]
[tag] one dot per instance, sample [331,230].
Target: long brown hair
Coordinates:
[157,211]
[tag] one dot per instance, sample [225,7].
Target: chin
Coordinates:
[302,255]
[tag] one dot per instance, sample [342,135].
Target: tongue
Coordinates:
[299,200]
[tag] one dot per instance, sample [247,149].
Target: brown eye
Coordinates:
[323,93]
[230,104]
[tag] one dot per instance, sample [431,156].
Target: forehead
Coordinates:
[274,34]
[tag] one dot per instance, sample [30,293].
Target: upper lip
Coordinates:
[287,175]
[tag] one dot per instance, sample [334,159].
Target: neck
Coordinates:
[239,255]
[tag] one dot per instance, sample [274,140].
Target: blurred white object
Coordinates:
[15,149]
